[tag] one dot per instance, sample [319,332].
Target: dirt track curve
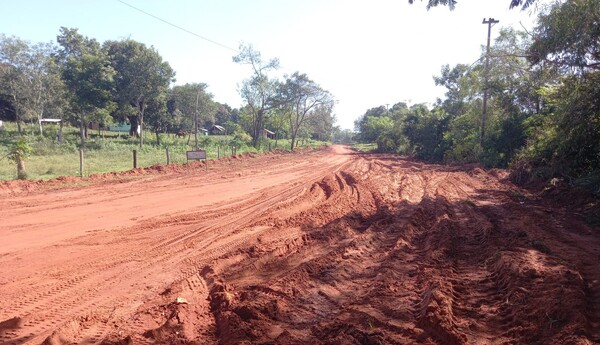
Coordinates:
[319,247]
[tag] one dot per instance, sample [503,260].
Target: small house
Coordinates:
[218,130]
[267,134]
[120,127]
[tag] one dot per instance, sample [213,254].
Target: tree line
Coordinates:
[543,116]
[81,81]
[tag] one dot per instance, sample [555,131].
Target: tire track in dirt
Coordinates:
[364,249]
[54,297]
[227,243]
[446,250]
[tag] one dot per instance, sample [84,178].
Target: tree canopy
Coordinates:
[543,114]
[87,83]
[29,79]
[524,4]
[568,35]
[88,75]
[142,77]
[302,98]
[259,91]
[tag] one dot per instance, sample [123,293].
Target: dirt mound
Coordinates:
[335,248]
[17,187]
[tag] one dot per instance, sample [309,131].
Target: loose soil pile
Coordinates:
[320,247]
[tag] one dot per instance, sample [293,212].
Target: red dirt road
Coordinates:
[318,247]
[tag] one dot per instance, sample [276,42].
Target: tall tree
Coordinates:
[303,97]
[278,121]
[424,131]
[30,79]
[13,60]
[564,138]
[141,77]
[158,117]
[568,35]
[223,114]
[196,105]
[47,89]
[343,136]
[360,123]
[259,91]
[88,76]
[320,123]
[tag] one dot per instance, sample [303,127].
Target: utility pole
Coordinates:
[196,122]
[489,22]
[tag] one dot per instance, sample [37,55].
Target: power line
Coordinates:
[188,31]
[489,22]
[178,27]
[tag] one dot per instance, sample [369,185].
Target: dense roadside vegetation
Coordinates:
[543,114]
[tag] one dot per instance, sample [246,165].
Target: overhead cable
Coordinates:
[178,27]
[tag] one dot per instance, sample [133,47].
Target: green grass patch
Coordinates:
[365,147]
[113,151]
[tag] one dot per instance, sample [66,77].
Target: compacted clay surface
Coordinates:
[316,247]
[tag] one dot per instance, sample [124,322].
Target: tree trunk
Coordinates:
[157,137]
[40,116]
[141,132]
[258,131]
[142,107]
[60,133]
[196,129]
[18,117]
[133,120]
[82,128]
[293,131]
[21,174]
[17,113]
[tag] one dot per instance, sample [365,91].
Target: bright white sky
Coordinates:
[366,53]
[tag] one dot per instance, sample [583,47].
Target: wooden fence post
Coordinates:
[80,162]
[134,159]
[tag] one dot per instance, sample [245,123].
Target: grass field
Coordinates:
[110,151]
[365,147]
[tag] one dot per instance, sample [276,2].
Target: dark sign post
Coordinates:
[196,155]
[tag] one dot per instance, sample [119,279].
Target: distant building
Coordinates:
[267,134]
[120,127]
[216,129]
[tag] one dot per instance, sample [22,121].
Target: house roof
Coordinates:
[221,128]
[268,131]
